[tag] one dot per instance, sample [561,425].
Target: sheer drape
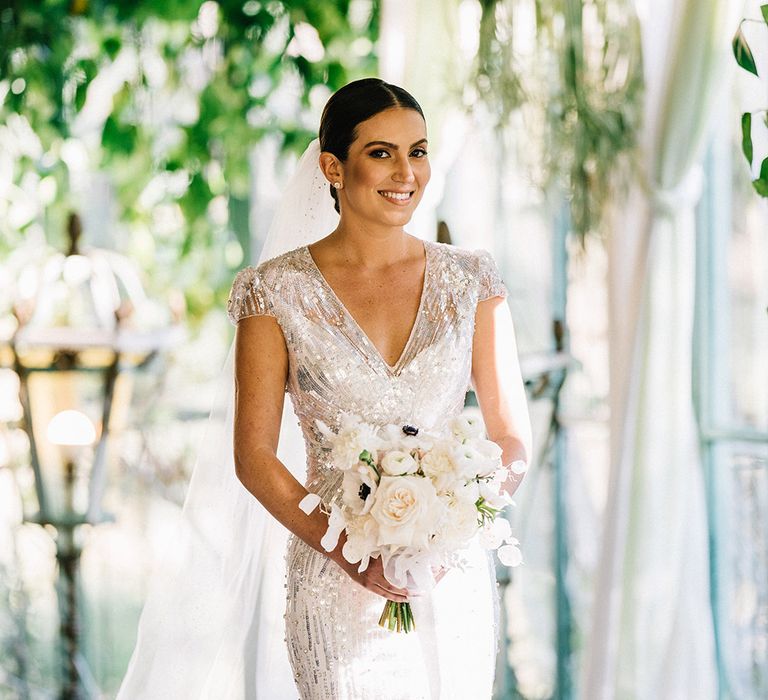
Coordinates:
[652,634]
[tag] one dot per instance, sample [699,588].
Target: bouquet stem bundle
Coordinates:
[397,617]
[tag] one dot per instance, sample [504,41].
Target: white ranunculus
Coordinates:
[407,511]
[358,488]
[466,426]
[439,464]
[398,462]
[470,461]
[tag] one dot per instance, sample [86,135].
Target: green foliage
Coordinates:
[575,87]
[167,99]
[746,60]
[743,53]
[761,184]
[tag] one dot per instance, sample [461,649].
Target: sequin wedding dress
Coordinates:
[337,650]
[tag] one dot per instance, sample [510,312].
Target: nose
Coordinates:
[403,171]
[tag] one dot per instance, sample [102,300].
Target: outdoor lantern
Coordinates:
[84,327]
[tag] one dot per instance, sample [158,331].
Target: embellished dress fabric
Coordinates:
[336,648]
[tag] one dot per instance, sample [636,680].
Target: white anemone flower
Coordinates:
[359,488]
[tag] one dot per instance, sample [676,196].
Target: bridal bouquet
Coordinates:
[415,499]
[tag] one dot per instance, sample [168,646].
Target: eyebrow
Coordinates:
[393,145]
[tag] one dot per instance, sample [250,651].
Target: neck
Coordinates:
[371,247]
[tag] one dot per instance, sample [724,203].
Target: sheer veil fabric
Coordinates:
[212,623]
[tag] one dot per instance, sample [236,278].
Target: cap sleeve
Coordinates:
[249,296]
[490,282]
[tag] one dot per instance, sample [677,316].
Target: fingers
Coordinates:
[384,593]
[373,580]
[390,592]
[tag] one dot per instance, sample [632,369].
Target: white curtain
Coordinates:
[421,49]
[652,632]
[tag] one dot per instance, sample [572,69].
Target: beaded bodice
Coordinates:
[334,366]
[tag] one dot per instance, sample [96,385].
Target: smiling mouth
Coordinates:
[396,197]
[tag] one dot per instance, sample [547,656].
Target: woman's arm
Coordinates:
[499,385]
[261,368]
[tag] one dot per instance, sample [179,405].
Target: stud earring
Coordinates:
[337,185]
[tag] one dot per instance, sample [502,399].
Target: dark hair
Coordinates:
[352,104]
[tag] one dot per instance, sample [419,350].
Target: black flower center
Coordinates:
[410,430]
[364,491]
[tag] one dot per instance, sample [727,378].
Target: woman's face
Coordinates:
[387,168]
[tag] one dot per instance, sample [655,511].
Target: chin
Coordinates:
[398,219]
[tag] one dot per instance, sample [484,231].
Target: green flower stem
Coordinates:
[397,617]
[366,457]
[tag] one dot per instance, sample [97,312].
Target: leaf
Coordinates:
[764,10]
[746,135]
[743,53]
[761,184]
[117,137]
[111,46]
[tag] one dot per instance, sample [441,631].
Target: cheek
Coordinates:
[367,174]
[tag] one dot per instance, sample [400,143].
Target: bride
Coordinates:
[367,319]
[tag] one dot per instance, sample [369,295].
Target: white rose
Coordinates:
[466,426]
[407,511]
[359,488]
[398,462]
[439,464]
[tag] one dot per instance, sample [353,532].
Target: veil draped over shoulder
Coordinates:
[212,623]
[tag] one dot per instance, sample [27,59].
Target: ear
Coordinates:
[331,167]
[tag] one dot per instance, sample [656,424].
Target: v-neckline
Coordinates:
[393,369]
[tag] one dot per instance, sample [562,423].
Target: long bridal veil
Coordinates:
[212,623]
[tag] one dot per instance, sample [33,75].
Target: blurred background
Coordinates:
[611,154]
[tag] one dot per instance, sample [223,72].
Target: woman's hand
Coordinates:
[372,578]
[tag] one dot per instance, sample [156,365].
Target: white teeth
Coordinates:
[396,195]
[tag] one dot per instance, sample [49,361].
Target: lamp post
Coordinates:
[76,345]
[71,430]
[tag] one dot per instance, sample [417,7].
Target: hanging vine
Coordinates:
[750,120]
[568,72]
